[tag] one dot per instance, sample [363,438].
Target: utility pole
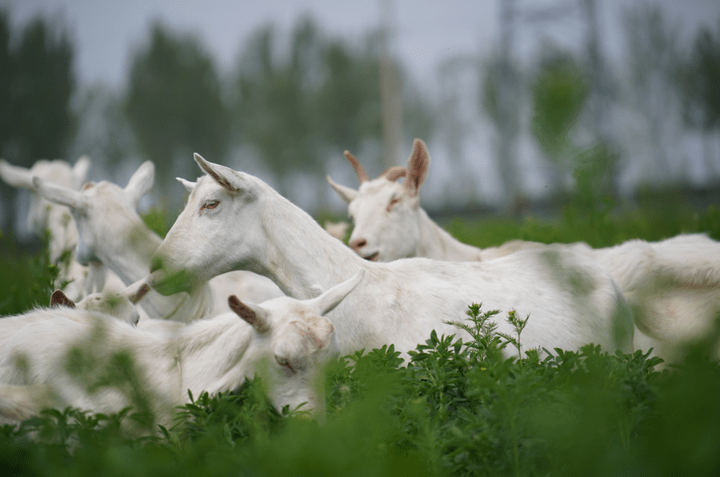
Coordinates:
[506,101]
[390,88]
[599,99]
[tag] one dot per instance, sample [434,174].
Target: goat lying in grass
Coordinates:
[116,305]
[234,221]
[111,231]
[71,357]
[47,216]
[673,285]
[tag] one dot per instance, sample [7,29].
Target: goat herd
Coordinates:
[247,282]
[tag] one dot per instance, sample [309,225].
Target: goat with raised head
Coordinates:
[234,221]
[111,231]
[672,285]
[47,216]
[70,357]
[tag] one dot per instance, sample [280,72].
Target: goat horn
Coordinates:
[394,173]
[362,175]
[139,294]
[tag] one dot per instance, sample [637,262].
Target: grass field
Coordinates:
[455,409]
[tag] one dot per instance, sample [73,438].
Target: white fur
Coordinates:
[570,299]
[111,303]
[672,285]
[119,306]
[44,215]
[112,232]
[210,355]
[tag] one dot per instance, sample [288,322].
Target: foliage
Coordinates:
[465,404]
[702,75]
[275,94]
[36,86]
[174,103]
[500,98]
[103,131]
[298,103]
[457,408]
[559,93]
[26,280]
[157,220]
[655,219]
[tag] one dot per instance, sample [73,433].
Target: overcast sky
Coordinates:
[107,32]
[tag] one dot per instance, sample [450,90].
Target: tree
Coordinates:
[5,82]
[701,80]
[174,103]
[560,92]
[500,98]
[36,84]
[37,120]
[299,109]
[654,56]
[349,98]
[274,109]
[103,131]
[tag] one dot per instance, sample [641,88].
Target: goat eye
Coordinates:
[392,203]
[211,204]
[284,362]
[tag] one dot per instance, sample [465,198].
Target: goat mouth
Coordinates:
[372,257]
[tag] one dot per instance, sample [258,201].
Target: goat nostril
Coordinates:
[357,244]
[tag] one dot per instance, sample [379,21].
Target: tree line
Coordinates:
[293,102]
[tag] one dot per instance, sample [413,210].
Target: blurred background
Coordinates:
[523,103]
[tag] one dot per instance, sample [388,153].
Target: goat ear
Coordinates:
[189,186]
[347,194]
[16,176]
[58,298]
[141,182]
[214,171]
[58,194]
[253,314]
[80,170]
[417,168]
[333,296]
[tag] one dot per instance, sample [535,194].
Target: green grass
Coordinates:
[455,409]
[26,279]
[597,229]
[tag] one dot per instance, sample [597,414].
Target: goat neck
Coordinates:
[438,244]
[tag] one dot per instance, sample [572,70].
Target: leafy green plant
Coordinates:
[26,279]
[453,406]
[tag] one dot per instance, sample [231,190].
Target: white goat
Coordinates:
[121,305]
[112,232]
[68,357]
[673,285]
[233,220]
[46,216]
[118,305]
